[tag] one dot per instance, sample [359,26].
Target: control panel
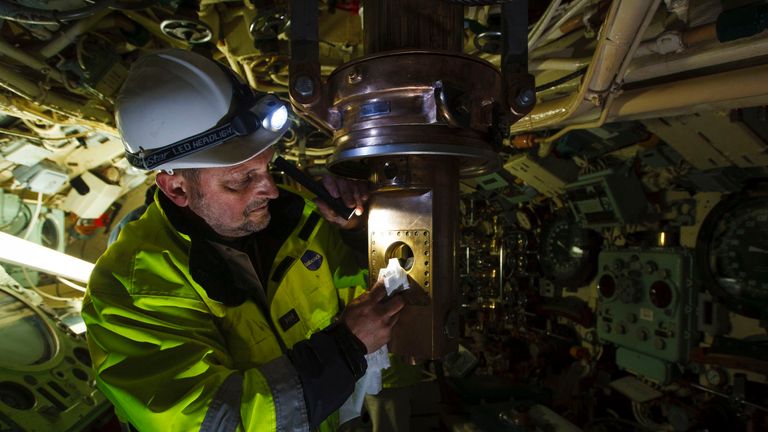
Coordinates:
[646,304]
[607,198]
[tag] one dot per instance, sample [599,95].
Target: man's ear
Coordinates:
[174,186]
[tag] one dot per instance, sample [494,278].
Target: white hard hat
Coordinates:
[178,109]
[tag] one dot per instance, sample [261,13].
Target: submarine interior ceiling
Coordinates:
[577,190]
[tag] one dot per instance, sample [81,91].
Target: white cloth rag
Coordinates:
[395,279]
[370,383]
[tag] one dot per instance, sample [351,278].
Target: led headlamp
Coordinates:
[268,113]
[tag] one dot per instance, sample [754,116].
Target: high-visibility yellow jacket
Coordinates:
[177,352]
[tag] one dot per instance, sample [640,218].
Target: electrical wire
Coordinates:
[32,285]
[71,284]
[35,216]
[543,22]
[19,134]
[53,297]
[639,412]
[43,137]
[562,80]
[573,9]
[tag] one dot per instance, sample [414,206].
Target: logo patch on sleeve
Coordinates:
[289,319]
[312,260]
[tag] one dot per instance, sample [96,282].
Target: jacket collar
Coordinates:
[208,265]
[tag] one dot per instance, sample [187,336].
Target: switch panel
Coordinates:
[646,304]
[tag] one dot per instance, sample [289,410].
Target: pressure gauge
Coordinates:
[716,377]
[526,218]
[568,252]
[732,253]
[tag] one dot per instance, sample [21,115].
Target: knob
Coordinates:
[629,290]
[642,335]
[651,267]
[659,344]
[621,329]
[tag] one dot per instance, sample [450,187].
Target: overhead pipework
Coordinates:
[414,115]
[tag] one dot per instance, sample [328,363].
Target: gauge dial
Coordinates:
[526,218]
[568,252]
[732,253]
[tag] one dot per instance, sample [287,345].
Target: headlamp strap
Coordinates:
[211,137]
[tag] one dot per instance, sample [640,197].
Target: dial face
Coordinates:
[524,220]
[735,256]
[715,377]
[568,252]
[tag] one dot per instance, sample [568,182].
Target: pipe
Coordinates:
[569,78]
[22,57]
[624,25]
[547,143]
[557,91]
[568,22]
[558,64]
[236,67]
[153,28]
[726,90]
[538,59]
[701,56]
[29,89]
[41,138]
[538,29]
[700,34]
[730,25]
[72,33]
[250,77]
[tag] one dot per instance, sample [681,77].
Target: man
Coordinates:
[219,309]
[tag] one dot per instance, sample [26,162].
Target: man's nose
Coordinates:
[267,188]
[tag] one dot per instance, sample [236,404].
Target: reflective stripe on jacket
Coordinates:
[172,358]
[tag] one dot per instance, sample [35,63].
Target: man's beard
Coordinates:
[250,226]
[204,208]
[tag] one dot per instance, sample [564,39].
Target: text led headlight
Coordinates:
[268,113]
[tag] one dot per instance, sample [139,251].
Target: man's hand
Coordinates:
[370,319]
[354,193]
